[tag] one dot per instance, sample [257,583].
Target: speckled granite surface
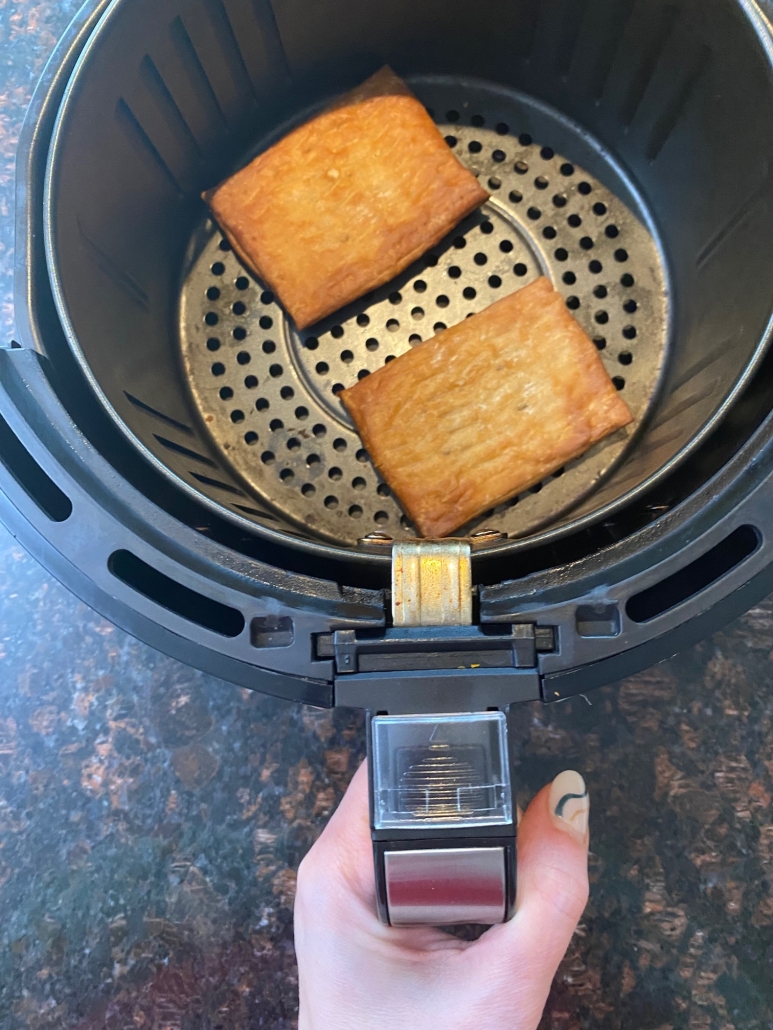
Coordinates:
[151,818]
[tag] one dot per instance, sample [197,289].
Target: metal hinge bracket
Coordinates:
[431,583]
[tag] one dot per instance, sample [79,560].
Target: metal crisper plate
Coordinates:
[268,394]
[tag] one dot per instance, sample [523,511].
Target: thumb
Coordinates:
[552,888]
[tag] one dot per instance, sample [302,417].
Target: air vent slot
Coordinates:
[36,483]
[167,592]
[695,577]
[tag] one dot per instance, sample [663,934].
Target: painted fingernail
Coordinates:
[569,802]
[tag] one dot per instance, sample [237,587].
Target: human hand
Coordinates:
[357,974]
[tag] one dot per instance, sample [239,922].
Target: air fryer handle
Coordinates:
[442,818]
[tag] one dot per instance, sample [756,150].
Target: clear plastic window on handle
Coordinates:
[441,771]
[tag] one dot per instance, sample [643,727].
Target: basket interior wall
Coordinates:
[176,93]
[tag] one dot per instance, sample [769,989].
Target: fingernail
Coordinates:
[569,803]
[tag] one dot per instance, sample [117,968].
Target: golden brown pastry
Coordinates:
[347,201]
[485,409]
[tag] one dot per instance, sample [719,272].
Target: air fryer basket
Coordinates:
[624,160]
[627,147]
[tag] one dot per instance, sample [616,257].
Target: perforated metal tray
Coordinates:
[268,395]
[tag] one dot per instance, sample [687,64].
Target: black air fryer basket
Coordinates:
[174,450]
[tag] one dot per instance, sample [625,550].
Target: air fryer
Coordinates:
[175,450]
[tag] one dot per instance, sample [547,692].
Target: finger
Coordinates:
[553,863]
[552,890]
[341,860]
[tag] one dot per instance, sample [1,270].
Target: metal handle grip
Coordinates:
[437,886]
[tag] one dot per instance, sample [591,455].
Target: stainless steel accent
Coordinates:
[431,583]
[268,395]
[485,538]
[439,887]
[376,543]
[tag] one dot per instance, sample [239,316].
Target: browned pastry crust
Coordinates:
[347,201]
[383,84]
[486,409]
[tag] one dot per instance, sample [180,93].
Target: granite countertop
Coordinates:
[152,818]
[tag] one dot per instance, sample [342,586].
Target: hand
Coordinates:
[357,974]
